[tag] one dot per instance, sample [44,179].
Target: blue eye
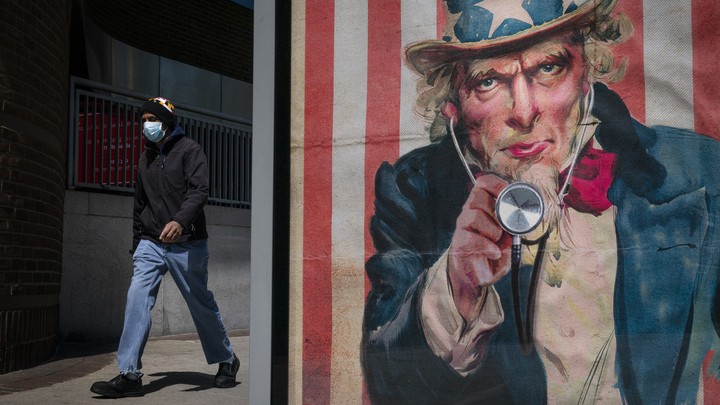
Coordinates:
[549,68]
[486,84]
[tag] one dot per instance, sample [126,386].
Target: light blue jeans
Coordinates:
[188,266]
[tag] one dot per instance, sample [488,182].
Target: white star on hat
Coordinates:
[502,10]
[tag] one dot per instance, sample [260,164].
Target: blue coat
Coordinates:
[666,305]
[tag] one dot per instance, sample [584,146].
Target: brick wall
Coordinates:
[215,35]
[34,43]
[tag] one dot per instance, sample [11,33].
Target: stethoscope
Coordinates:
[519,209]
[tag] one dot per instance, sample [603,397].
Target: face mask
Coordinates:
[153,131]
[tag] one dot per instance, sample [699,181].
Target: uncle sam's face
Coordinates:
[520,111]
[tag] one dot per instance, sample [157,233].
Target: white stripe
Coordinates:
[418,23]
[668,63]
[348,191]
[297,164]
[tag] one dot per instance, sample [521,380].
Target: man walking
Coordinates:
[169,234]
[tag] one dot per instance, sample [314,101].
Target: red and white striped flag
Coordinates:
[352,101]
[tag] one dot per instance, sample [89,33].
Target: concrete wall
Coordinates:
[97,268]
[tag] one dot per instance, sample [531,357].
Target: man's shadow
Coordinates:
[198,381]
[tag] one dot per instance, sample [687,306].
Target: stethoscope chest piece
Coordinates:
[519,208]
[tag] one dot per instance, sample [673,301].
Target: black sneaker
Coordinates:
[119,387]
[225,377]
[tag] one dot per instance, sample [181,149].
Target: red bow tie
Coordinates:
[590,181]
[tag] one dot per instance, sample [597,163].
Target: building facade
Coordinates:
[49,251]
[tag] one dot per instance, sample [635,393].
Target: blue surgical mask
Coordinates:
[153,131]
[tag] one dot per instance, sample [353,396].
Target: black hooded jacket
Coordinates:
[172,185]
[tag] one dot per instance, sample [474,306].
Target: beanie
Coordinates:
[161,108]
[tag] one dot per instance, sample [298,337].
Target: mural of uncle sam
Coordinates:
[615,297]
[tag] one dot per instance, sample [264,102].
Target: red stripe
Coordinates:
[711,384]
[317,200]
[706,58]
[382,133]
[632,86]
[440,18]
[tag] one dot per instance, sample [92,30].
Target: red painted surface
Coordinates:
[711,383]
[632,87]
[440,18]
[706,57]
[317,231]
[382,133]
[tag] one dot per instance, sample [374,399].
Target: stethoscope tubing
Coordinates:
[525,330]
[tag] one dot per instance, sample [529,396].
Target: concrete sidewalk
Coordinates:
[174,367]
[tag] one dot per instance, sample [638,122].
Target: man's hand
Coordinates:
[171,232]
[480,249]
